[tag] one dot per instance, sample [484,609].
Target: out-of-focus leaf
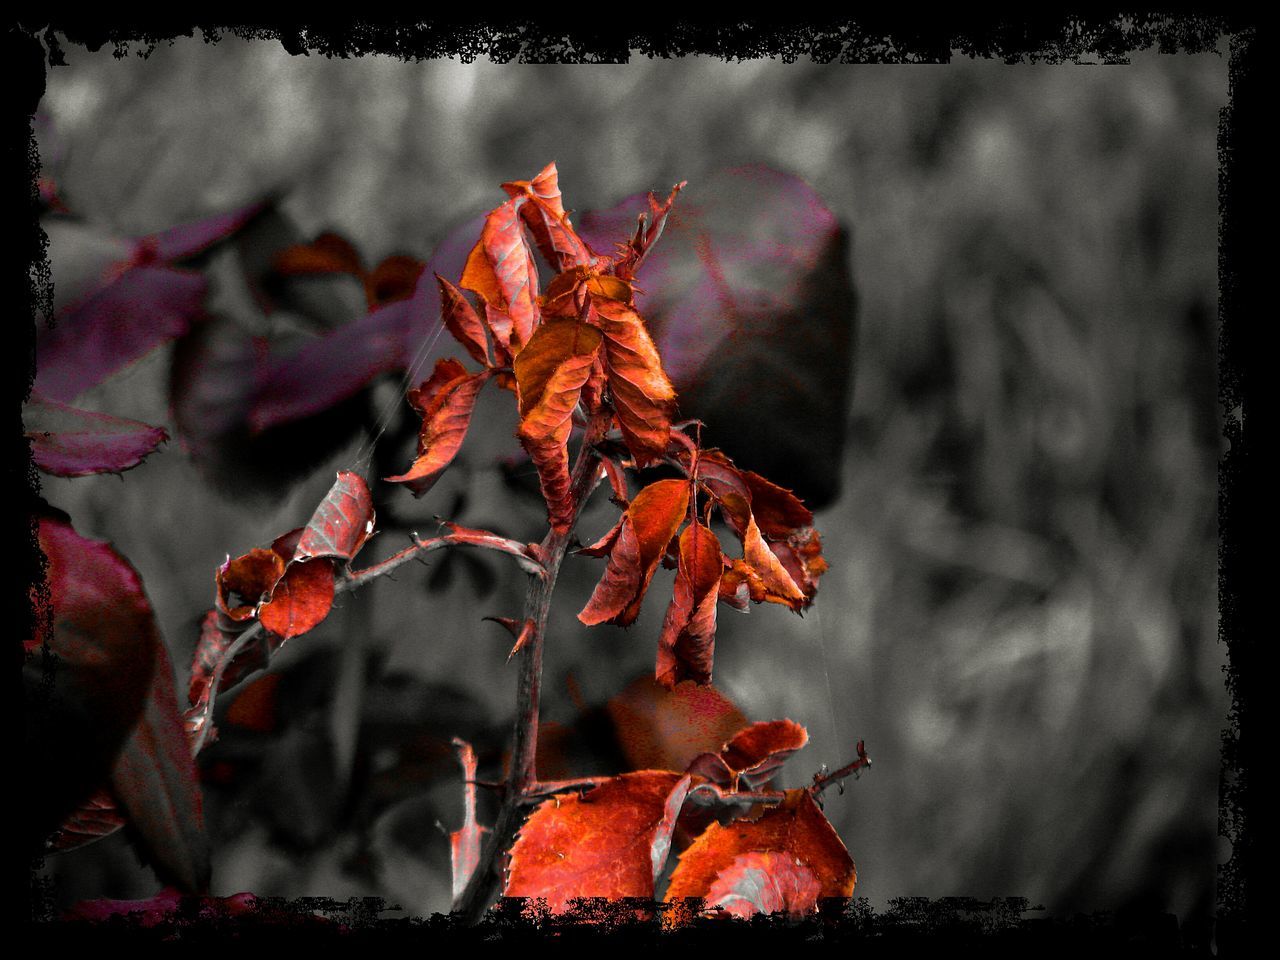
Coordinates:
[660,728]
[650,522]
[785,860]
[446,402]
[751,302]
[172,909]
[550,373]
[612,842]
[189,240]
[145,307]
[69,442]
[156,783]
[687,643]
[464,844]
[97,817]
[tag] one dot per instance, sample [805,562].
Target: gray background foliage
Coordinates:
[1020,617]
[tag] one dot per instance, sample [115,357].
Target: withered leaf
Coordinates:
[642,395]
[650,522]
[445,401]
[501,270]
[687,644]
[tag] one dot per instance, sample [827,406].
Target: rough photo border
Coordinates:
[33,45]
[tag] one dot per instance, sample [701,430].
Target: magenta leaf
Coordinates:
[69,442]
[145,307]
[749,297]
[191,239]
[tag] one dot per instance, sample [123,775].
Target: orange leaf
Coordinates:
[550,374]
[613,842]
[787,859]
[648,525]
[462,321]
[756,753]
[642,395]
[687,643]
[445,401]
[778,511]
[393,279]
[668,728]
[328,253]
[548,220]
[500,268]
[777,583]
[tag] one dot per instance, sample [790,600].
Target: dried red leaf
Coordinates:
[612,842]
[251,578]
[461,320]
[660,728]
[445,401]
[642,395]
[648,525]
[687,644]
[68,442]
[301,599]
[777,583]
[758,752]
[341,524]
[548,221]
[550,374]
[649,228]
[790,856]
[778,511]
[501,270]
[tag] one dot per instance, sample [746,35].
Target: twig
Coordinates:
[822,781]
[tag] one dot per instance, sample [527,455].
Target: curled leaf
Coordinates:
[687,643]
[550,374]
[647,527]
[547,219]
[445,402]
[461,320]
[642,395]
[501,270]
[342,523]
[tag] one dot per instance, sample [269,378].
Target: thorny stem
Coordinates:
[522,777]
[822,781]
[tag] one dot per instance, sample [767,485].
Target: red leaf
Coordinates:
[68,442]
[157,785]
[342,523]
[612,842]
[798,858]
[642,394]
[97,817]
[687,643]
[301,599]
[778,511]
[251,578]
[462,321]
[666,729]
[128,318]
[548,221]
[501,270]
[648,525]
[750,299]
[777,583]
[327,253]
[445,401]
[550,373]
[464,844]
[604,545]
[758,752]
[648,229]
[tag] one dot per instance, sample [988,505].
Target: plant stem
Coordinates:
[523,776]
[821,783]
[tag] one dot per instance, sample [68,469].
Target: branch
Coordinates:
[822,781]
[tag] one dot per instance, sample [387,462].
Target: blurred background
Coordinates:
[1020,617]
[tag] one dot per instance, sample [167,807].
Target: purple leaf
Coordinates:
[121,322]
[389,338]
[750,300]
[69,442]
[189,239]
